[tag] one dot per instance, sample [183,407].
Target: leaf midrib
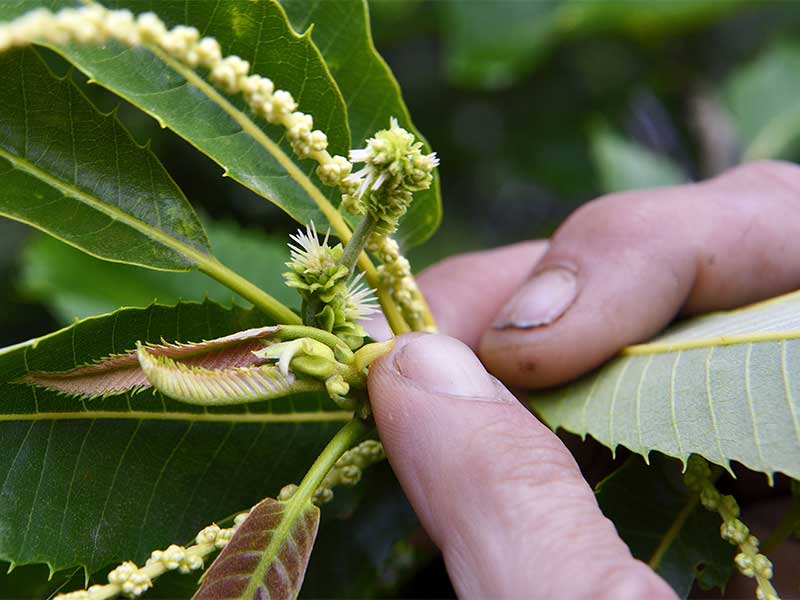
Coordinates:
[296,417]
[673,532]
[197,257]
[713,342]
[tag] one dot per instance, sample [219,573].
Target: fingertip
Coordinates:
[466,291]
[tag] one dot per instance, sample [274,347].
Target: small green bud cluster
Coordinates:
[329,300]
[348,469]
[130,580]
[395,275]
[749,560]
[343,371]
[394,169]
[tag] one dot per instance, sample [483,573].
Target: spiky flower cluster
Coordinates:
[329,301]
[314,267]
[394,168]
[749,561]
[130,580]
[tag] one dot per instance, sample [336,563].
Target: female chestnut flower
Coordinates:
[314,267]
[360,302]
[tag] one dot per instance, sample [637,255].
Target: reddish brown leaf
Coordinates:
[122,372]
[267,556]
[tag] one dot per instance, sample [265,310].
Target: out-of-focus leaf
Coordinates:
[664,524]
[623,165]
[763,100]
[369,89]
[724,386]
[267,556]
[659,17]
[493,44]
[79,176]
[74,285]
[90,483]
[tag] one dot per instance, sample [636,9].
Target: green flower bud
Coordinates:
[287,492]
[734,531]
[313,366]
[710,497]
[337,387]
[744,563]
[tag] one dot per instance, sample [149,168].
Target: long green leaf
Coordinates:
[493,44]
[625,165]
[762,99]
[93,482]
[725,386]
[369,89]
[79,176]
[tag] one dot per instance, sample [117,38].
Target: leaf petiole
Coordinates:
[246,289]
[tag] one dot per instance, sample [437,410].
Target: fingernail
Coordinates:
[443,365]
[540,301]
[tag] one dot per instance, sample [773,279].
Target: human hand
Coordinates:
[496,490]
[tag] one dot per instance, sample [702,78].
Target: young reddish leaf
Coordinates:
[268,555]
[199,385]
[122,372]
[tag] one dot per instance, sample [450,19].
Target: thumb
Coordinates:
[495,489]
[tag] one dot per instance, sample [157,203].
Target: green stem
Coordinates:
[292,332]
[673,532]
[345,438]
[247,290]
[355,246]
[784,529]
